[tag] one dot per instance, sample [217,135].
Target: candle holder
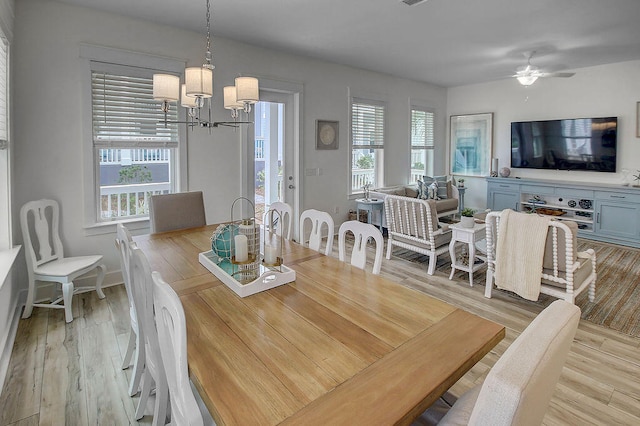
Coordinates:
[246,240]
[273,243]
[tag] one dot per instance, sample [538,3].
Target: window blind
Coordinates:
[422,128]
[367,124]
[125,115]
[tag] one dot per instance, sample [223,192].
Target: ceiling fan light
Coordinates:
[166,87]
[527,80]
[199,82]
[247,90]
[230,100]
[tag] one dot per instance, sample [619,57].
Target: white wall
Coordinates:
[601,91]
[48,74]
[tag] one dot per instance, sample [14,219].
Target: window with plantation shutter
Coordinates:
[422,143]
[135,151]
[367,143]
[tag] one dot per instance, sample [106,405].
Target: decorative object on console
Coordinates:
[198,86]
[461,183]
[505,172]
[585,204]
[494,167]
[571,203]
[471,139]
[326,134]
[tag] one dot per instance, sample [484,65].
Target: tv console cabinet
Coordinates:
[603,212]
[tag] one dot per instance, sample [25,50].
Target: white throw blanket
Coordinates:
[520,252]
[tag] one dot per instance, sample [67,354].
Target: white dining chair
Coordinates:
[45,258]
[154,374]
[318,219]
[135,348]
[519,387]
[282,222]
[182,210]
[172,335]
[362,232]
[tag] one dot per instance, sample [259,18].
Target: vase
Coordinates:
[467,222]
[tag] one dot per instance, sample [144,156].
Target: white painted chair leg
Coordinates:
[389,248]
[489,284]
[147,385]
[67,298]
[28,307]
[138,368]
[162,404]
[432,264]
[102,270]
[130,348]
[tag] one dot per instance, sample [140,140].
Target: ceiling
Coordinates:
[444,42]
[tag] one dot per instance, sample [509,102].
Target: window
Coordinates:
[422,143]
[5,175]
[134,150]
[367,143]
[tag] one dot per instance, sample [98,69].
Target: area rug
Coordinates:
[617,302]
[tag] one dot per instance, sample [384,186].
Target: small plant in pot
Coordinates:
[467,220]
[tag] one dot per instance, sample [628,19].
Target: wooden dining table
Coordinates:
[338,346]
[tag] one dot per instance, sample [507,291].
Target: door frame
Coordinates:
[294,93]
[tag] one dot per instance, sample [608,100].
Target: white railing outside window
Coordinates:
[125,201]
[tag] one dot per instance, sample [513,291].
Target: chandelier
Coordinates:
[197,90]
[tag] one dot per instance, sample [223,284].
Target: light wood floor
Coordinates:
[70,373]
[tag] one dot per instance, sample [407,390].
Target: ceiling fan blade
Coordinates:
[560,74]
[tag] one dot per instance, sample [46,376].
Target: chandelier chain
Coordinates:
[208,57]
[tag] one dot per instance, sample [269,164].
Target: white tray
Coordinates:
[267,278]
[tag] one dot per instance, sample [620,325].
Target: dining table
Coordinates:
[337,346]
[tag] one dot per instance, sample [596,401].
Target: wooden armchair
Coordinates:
[412,224]
[565,271]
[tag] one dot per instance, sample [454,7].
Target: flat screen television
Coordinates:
[570,144]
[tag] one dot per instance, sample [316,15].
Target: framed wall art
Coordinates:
[326,134]
[471,144]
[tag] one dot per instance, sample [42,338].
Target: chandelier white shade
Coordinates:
[247,90]
[186,100]
[230,98]
[166,87]
[199,82]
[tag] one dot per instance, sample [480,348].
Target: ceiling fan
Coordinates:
[529,74]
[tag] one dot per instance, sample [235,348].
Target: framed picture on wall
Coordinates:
[326,134]
[471,144]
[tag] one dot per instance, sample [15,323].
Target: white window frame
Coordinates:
[6,239]
[91,186]
[426,146]
[379,158]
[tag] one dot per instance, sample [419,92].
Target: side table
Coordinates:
[370,205]
[468,236]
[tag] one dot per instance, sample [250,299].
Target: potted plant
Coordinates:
[467,220]
[461,183]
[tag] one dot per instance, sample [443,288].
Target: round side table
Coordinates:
[370,205]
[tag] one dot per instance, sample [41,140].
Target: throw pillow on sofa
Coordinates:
[433,191]
[441,181]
